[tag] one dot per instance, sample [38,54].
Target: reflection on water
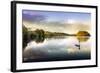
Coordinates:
[57,49]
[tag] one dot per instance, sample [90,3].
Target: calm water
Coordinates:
[56,49]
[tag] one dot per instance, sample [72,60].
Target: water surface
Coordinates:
[56,49]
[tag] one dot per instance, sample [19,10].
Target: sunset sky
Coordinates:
[53,19]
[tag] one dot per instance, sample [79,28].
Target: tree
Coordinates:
[83,36]
[25,36]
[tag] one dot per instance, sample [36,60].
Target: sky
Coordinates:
[52,16]
[67,22]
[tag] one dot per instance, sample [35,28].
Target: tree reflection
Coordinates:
[40,35]
[82,36]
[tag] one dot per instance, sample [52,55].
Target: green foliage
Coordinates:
[25,36]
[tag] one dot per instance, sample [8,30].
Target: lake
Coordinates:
[57,49]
